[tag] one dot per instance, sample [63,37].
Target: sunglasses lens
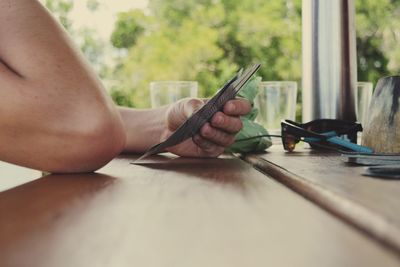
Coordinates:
[289,142]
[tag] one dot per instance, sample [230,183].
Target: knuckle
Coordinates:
[229,107]
[194,102]
[191,105]
[218,119]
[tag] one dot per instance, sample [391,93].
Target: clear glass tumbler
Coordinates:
[276,101]
[166,92]
[363,99]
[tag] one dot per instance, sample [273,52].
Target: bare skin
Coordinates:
[56,116]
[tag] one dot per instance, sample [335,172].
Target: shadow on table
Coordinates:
[226,169]
[45,201]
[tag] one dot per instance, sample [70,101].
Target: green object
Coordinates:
[253,137]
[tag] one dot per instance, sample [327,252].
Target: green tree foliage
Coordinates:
[86,38]
[378,35]
[93,49]
[128,28]
[371,60]
[207,41]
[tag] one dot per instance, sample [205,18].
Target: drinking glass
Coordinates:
[167,92]
[363,99]
[276,101]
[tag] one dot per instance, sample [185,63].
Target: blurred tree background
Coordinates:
[207,41]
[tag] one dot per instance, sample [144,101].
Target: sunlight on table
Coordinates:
[12,175]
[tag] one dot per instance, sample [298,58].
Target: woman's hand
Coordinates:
[214,136]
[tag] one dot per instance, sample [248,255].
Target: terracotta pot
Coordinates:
[382,125]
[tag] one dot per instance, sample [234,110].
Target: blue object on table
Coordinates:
[334,139]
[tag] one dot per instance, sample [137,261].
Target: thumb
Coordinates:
[180,111]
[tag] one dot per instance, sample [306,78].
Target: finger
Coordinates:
[191,105]
[216,136]
[226,123]
[178,112]
[208,148]
[237,107]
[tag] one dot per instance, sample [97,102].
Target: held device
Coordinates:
[193,124]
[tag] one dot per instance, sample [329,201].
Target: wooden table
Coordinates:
[370,204]
[199,212]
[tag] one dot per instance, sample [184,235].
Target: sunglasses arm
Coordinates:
[334,139]
[344,143]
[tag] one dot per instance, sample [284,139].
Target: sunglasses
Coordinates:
[321,133]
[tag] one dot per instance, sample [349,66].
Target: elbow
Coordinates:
[91,146]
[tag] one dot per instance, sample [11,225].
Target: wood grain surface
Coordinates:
[174,212]
[371,204]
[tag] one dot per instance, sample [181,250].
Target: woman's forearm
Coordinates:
[143,127]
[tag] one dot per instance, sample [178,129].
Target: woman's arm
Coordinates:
[146,128]
[54,112]
[56,116]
